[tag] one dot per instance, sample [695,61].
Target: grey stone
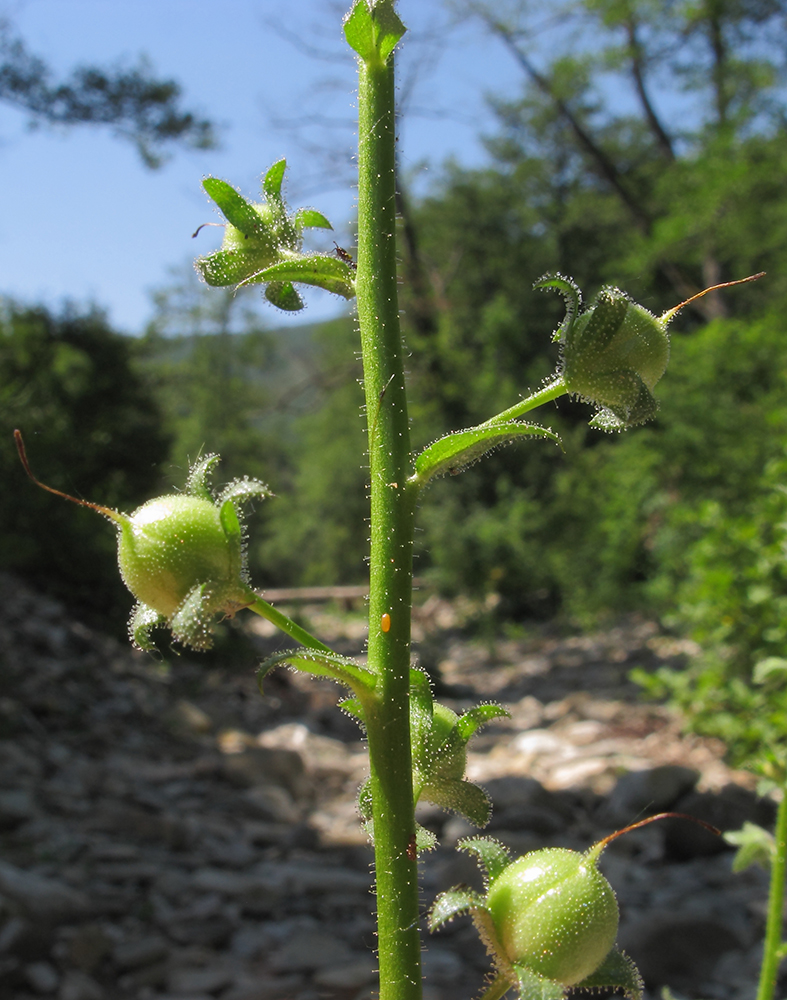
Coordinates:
[266,765]
[16,806]
[143,951]
[350,976]
[207,980]
[42,898]
[78,985]
[307,950]
[640,793]
[271,803]
[43,977]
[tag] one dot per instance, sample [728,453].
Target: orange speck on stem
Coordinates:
[385,623]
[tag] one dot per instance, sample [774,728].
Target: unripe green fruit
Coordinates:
[170,545]
[555,913]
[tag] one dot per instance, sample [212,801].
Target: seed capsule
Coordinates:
[555,913]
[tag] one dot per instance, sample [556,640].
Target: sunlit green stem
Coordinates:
[392,527]
[267,611]
[774,947]
[549,392]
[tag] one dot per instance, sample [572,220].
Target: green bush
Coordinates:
[92,429]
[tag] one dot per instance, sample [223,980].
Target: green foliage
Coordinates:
[93,428]
[132,102]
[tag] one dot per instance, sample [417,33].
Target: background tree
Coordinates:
[134,103]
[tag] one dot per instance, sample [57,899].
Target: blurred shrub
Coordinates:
[92,429]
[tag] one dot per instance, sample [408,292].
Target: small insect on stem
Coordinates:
[342,254]
[385,622]
[412,851]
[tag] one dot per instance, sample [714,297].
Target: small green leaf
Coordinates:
[237,211]
[755,847]
[310,218]
[353,707]
[228,267]
[365,800]
[421,706]
[616,972]
[461,796]
[143,619]
[281,294]
[358,678]
[191,623]
[240,490]
[272,181]
[535,987]
[373,30]
[197,484]
[474,718]
[425,840]
[454,903]
[572,297]
[454,452]
[330,273]
[491,853]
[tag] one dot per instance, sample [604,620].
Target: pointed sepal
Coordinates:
[197,481]
[534,987]
[330,273]
[191,624]
[473,719]
[310,218]
[281,294]
[241,490]
[493,855]
[572,297]
[616,972]
[236,210]
[143,620]
[455,452]
[454,903]
[462,797]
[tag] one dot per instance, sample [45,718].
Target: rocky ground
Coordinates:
[167,832]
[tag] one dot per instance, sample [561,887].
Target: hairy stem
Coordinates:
[392,513]
[267,611]
[773,929]
[552,391]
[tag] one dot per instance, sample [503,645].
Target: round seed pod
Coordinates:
[555,913]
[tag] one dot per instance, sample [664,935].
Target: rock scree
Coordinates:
[167,833]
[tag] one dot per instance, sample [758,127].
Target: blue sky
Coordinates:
[82,219]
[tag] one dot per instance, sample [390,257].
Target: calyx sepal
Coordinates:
[263,245]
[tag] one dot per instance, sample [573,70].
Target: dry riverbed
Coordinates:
[167,833]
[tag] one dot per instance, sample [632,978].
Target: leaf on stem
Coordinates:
[454,452]
[373,29]
[330,273]
[342,669]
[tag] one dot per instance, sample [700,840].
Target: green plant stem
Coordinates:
[773,929]
[549,392]
[267,611]
[497,989]
[392,518]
